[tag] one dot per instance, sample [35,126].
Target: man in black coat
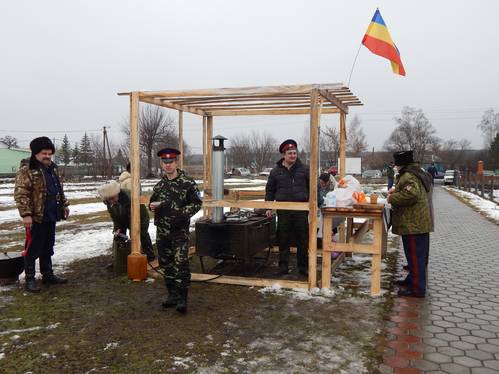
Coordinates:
[289,181]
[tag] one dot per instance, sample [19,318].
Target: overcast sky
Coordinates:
[62,62]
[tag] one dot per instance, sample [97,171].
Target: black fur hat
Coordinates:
[403,158]
[38,144]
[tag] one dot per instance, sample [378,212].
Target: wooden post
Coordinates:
[209,148]
[205,167]
[315,107]
[343,144]
[327,238]
[137,263]
[208,130]
[181,139]
[135,171]
[376,260]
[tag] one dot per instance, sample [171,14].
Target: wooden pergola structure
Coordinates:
[311,99]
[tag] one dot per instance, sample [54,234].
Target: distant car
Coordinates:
[450,175]
[488,173]
[372,174]
[241,172]
[265,172]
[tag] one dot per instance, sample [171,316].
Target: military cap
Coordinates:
[168,154]
[403,158]
[287,144]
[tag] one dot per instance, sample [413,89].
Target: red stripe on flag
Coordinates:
[383,49]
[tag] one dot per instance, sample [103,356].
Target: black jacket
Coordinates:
[288,184]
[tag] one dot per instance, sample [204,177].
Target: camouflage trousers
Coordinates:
[173,256]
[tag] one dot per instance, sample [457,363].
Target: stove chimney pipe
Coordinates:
[217,176]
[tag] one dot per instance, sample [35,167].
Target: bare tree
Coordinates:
[415,132]
[10,141]
[356,138]
[256,149]
[452,151]
[330,144]
[489,126]
[239,151]
[262,146]
[156,128]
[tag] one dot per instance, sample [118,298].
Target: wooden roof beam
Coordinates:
[262,90]
[168,104]
[239,99]
[269,112]
[334,100]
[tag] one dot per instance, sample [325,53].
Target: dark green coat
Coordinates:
[121,212]
[410,202]
[390,173]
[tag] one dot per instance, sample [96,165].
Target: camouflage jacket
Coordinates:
[410,202]
[121,212]
[179,199]
[31,189]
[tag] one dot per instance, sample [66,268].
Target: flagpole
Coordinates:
[353,65]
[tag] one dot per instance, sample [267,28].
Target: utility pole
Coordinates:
[106,164]
[110,168]
[104,151]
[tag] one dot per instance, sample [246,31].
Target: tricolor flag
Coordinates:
[378,40]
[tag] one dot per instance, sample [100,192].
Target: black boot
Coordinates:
[53,279]
[172,298]
[182,301]
[29,271]
[48,274]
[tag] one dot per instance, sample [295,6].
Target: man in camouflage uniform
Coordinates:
[412,220]
[174,201]
[41,203]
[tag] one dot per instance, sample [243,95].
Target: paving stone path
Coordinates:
[456,328]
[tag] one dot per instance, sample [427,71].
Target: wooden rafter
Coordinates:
[334,100]
[167,104]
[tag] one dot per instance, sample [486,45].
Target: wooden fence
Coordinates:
[480,185]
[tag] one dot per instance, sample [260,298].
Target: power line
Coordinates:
[50,131]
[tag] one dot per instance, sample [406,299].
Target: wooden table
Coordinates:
[373,214]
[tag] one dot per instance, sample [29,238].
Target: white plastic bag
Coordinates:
[344,194]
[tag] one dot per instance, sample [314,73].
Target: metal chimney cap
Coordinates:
[218,137]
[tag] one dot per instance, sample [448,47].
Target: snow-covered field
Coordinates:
[87,239]
[486,207]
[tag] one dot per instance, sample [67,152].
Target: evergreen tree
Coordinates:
[65,151]
[494,151]
[75,154]
[85,150]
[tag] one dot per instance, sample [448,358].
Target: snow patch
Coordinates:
[182,362]
[48,355]
[487,207]
[111,345]
[315,294]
